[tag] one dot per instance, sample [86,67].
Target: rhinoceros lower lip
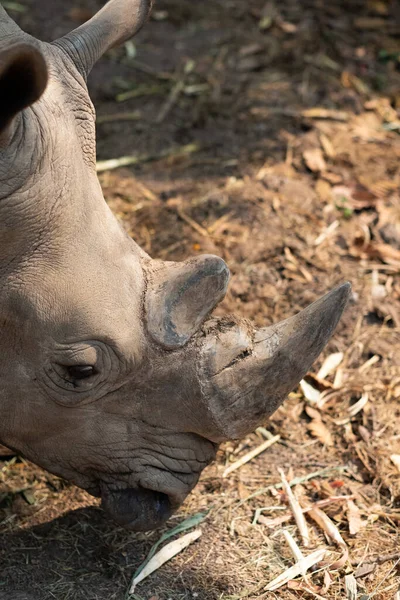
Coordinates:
[138,509]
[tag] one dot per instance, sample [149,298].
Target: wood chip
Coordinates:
[298,569]
[328,231]
[354,517]
[250,455]
[351,587]
[164,555]
[330,365]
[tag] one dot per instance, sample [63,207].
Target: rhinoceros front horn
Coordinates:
[246,373]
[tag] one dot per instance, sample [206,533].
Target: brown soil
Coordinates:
[295,201]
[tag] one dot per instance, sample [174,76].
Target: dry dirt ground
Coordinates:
[268,133]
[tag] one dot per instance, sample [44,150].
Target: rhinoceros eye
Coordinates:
[81,371]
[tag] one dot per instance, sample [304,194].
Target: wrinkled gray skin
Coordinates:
[112,373]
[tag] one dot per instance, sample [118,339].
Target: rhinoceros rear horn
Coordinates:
[181,295]
[246,374]
[115,23]
[23,79]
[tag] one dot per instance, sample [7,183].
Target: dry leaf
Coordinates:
[323,189]
[314,160]
[395,458]
[327,145]
[319,430]
[297,569]
[354,517]
[365,569]
[317,427]
[164,555]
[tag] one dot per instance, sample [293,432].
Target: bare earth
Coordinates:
[266,133]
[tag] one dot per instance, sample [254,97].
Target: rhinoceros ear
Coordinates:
[181,295]
[115,23]
[23,79]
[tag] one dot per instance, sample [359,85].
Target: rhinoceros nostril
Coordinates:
[138,509]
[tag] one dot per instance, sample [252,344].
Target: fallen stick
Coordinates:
[250,455]
[322,473]
[259,518]
[297,510]
[126,161]
[332,532]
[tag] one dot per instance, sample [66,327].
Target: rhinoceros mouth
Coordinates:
[138,509]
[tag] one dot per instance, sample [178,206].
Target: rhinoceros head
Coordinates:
[112,372]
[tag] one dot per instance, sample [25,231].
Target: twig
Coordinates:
[142,90]
[296,481]
[126,161]
[295,550]
[250,455]
[193,224]
[332,532]
[258,517]
[378,559]
[175,92]
[385,578]
[297,511]
[124,116]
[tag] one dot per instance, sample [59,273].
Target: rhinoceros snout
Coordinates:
[138,509]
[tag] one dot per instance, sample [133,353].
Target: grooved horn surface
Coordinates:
[246,374]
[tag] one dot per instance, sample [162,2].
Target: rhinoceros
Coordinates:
[113,372]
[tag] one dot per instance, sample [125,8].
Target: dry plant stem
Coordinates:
[297,511]
[126,161]
[250,455]
[296,481]
[332,532]
[295,550]
[258,517]
[377,560]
